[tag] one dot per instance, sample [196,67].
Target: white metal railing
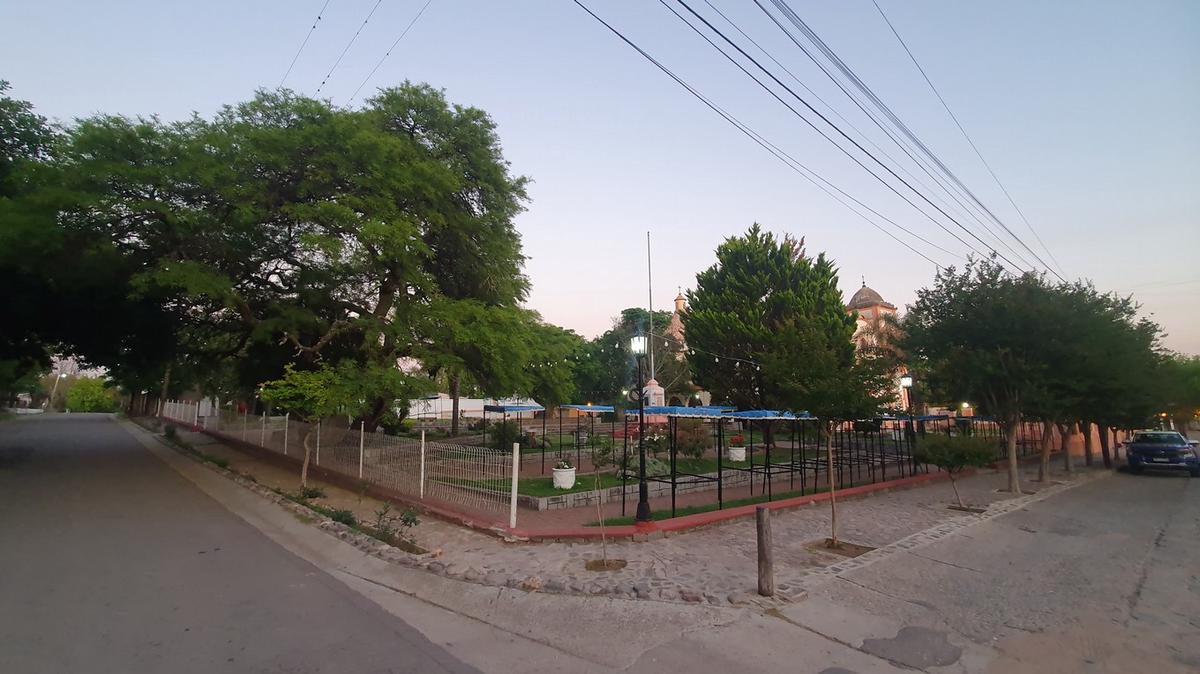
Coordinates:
[476,477]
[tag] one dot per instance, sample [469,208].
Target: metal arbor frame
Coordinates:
[590,411]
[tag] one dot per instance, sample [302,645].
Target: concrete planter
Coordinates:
[564,478]
[736,454]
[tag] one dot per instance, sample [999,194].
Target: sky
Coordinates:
[1087,110]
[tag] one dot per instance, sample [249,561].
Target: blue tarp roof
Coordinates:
[509,408]
[933,417]
[588,408]
[679,411]
[767,415]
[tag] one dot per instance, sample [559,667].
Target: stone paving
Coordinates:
[716,565]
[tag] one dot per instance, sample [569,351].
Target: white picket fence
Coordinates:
[479,478]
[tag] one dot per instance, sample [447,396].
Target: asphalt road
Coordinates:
[112,562]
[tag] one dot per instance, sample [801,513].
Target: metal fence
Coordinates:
[479,478]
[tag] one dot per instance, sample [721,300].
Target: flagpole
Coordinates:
[649,306]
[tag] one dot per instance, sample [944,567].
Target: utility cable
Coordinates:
[965,135]
[779,154]
[389,51]
[305,42]
[348,45]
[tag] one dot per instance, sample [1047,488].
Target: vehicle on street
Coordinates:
[1167,450]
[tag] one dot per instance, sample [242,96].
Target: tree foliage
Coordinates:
[91,394]
[745,305]
[281,230]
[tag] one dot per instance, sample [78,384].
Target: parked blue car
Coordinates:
[1166,450]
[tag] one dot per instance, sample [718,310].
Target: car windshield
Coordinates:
[1158,439]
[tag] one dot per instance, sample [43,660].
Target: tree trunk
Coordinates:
[1104,446]
[833,537]
[1011,425]
[166,384]
[454,392]
[1047,445]
[1085,427]
[1065,433]
[304,466]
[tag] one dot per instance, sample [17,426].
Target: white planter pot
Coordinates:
[736,454]
[564,478]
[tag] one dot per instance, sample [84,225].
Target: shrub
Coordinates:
[504,434]
[170,432]
[388,527]
[562,464]
[311,492]
[737,440]
[955,455]
[868,425]
[692,437]
[217,461]
[344,516]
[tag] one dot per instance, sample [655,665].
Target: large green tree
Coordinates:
[287,230]
[980,334]
[758,284]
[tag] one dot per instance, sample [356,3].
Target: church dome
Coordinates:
[865,297]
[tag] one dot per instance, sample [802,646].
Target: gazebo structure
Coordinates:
[517,410]
[588,411]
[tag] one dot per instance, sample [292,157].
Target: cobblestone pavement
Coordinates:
[716,565]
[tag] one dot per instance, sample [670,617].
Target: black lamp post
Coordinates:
[906,383]
[637,344]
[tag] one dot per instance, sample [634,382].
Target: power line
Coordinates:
[389,51]
[767,145]
[348,45]
[305,42]
[832,109]
[849,73]
[965,134]
[904,147]
[838,129]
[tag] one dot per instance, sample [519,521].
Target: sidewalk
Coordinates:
[716,565]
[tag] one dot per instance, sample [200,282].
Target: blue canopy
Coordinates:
[679,411]
[589,408]
[767,415]
[508,408]
[933,417]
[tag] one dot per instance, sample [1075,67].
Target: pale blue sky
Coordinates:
[1087,110]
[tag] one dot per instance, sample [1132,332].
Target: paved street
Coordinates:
[120,555]
[112,562]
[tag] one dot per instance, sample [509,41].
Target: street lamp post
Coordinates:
[906,382]
[637,344]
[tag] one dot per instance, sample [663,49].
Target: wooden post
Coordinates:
[286,416]
[512,499]
[766,560]
[318,442]
[262,437]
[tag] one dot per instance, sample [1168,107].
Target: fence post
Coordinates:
[422,463]
[512,499]
[245,422]
[262,437]
[318,442]
[286,417]
[766,560]
[362,436]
